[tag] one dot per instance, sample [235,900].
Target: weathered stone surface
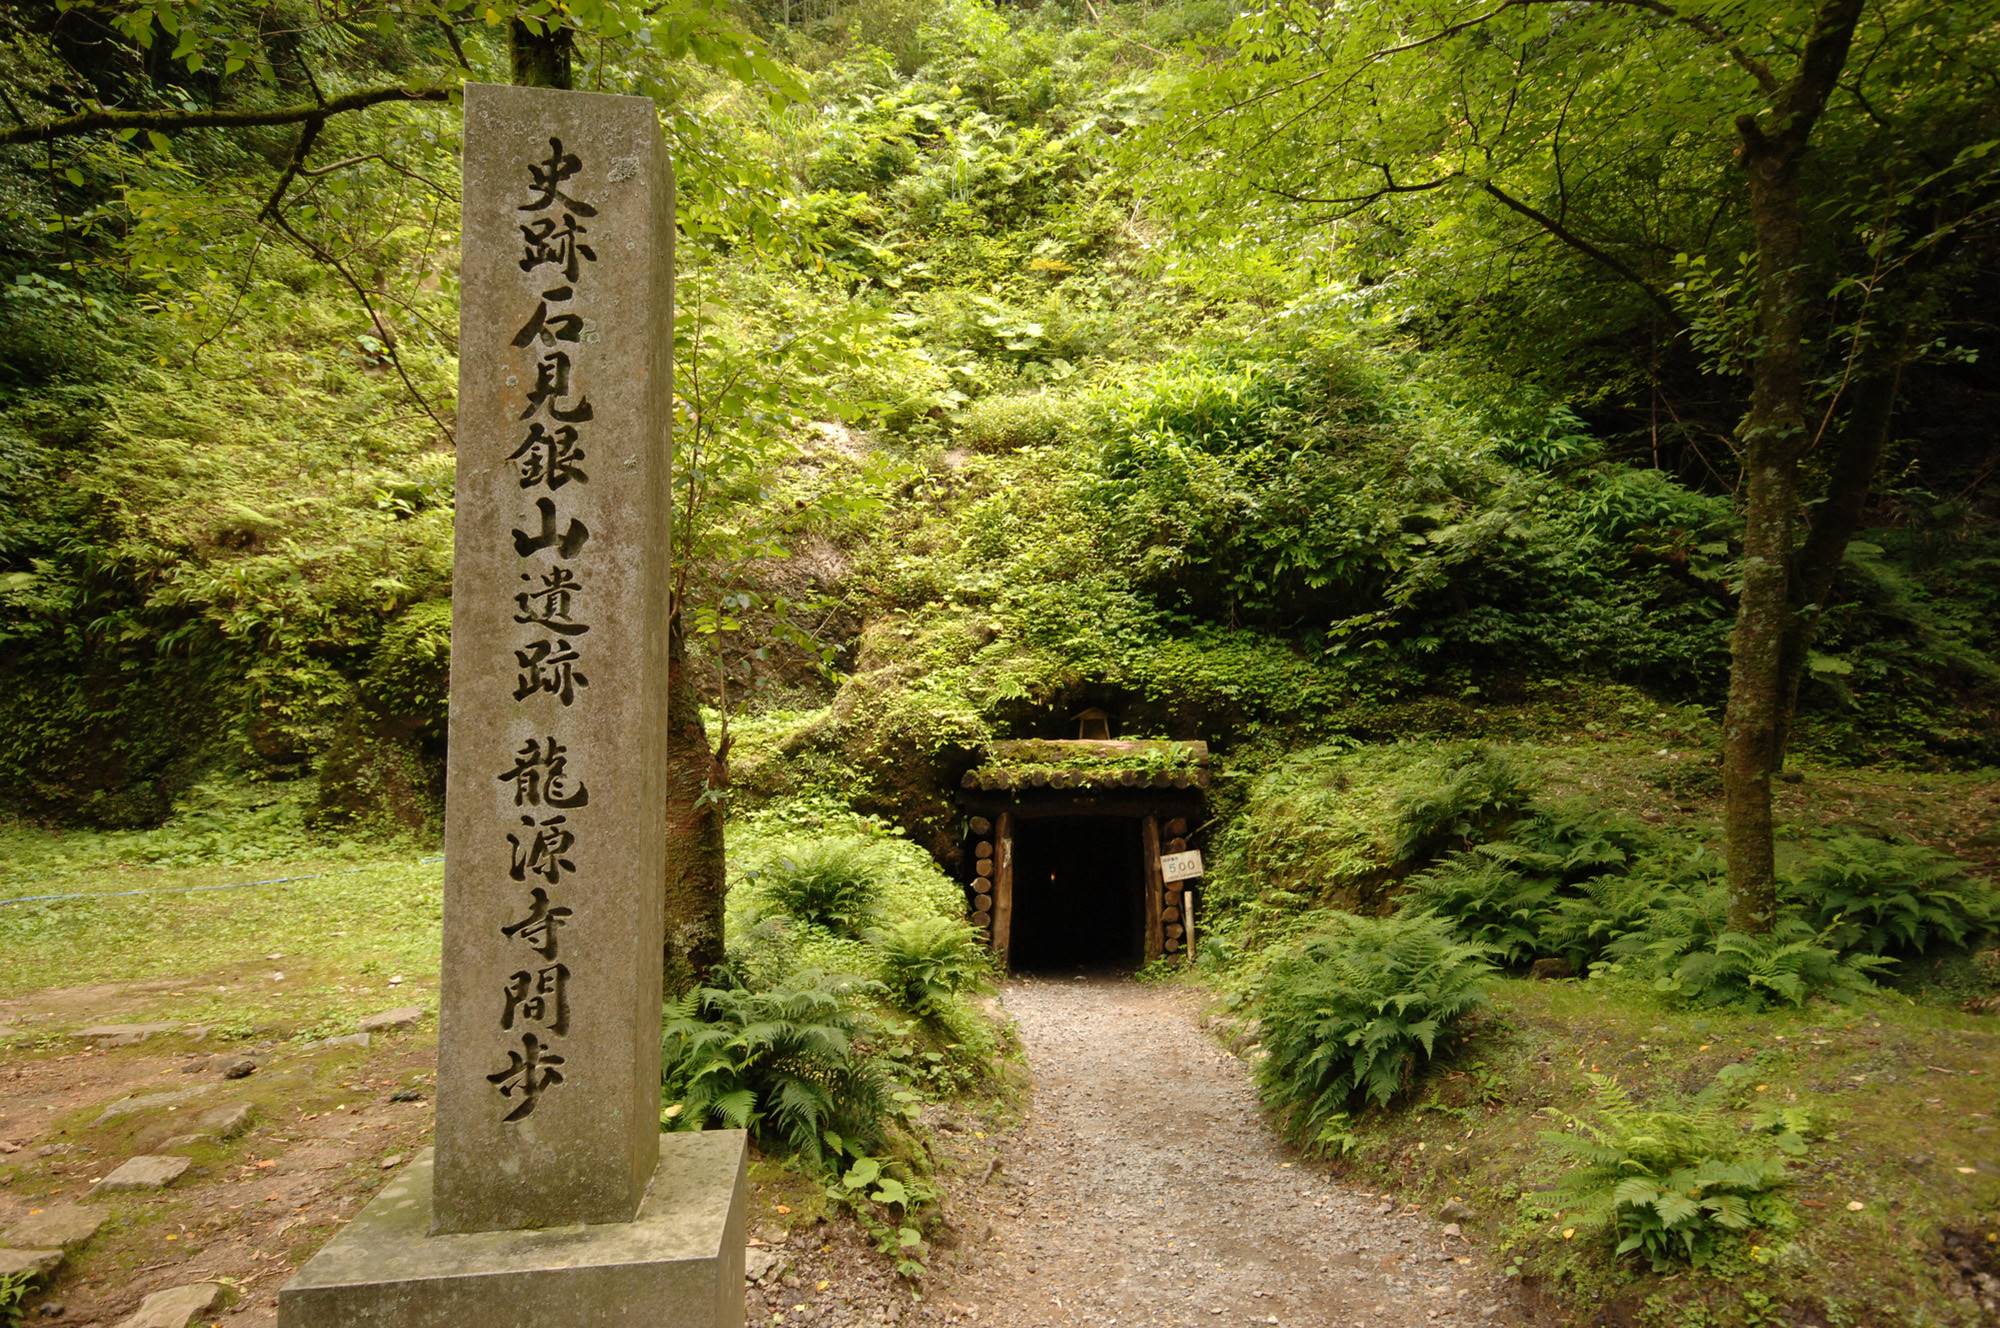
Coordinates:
[151,1171]
[39,1265]
[225,1122]
[124,1035]
[405,1016]
[678,1262]
[176,1308]
[131,1106]
[1551,968]
[57,1227]
[555,796]
[236,1067]
[348,1040]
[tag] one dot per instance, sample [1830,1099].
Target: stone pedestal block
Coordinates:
[677,1264]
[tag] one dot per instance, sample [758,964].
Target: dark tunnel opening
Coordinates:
[1079,893]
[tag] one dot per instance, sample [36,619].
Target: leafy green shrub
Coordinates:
[13,1295]
[926,960]
[830,883]
[1554,886]
[1874,897]
[1476,791]
[1351,1015]
[1789,965]
[1671,1186]
[1489,902]
[785,1063]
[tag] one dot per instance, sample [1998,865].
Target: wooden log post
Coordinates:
[1149,836]
[1003,887]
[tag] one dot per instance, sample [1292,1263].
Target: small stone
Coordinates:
[1452,1229]
[36,1265]
[1552,968]
[238,1067]
[150,1102]
[225,1122]
[1452,1210]
[176,1308]
[762,1265]
[145,1172]
[61,1227]
[402,1017]
[391,1162]
[124,1035]
[350,1040]
[407,1095]
[51,1309]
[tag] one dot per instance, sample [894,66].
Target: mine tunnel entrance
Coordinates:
[1079,893]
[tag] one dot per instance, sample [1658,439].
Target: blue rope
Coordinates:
[196,889]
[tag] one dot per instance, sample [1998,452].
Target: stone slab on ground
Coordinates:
[37,1264]
[406,1016]
[225,1122]
[57,1227]
[176,1308]
[130,1106]
[679,1262]
[124,1035]
[152,1171]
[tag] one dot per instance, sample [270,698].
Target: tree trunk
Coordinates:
[696,874]
[1774,439]
[1834,523]
[542,59]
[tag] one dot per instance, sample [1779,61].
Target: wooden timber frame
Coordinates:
[1167,818]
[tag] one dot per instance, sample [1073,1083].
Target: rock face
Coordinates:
[124,1035]
[151,1102]
[37,1264]
[225,1122]
[176,1308]
[405,1016]
[62,1227]
[146,1172]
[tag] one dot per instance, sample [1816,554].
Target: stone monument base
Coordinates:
[678,1264]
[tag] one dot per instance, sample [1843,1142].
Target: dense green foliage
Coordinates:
[1352,1015]
[781,1062]
[1670,1186]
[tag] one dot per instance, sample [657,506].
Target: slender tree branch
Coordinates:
[1602,256]
[388,340]
[105,118]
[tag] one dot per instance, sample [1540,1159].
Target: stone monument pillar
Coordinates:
[552,1198]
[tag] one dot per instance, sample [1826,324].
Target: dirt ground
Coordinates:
[1142,1189]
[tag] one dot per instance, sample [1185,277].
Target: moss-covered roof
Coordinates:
[1090,763]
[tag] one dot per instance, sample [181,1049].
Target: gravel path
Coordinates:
[1145,1190]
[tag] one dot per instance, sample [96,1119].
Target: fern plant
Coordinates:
[1670,1186]
[1489,902]
[1519,896]
[1665,893]
[1487,785]
[1789,965]
[926,960]
[13,1296]
[1874,897]
[786,1064]
[830,883]
[1352,1014]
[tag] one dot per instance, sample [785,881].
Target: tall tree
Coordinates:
[1572,181]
